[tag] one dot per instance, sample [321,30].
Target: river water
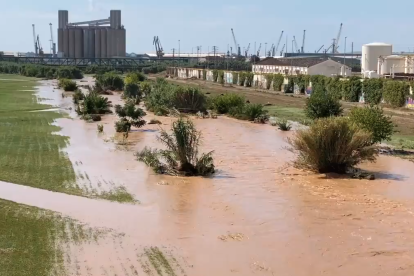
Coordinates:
[256,216]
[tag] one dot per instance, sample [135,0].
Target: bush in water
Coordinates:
[373,120]
[67,85]
[93,103]
[110,81]
[181,156]
[130,116]
[222,104]
[332,144]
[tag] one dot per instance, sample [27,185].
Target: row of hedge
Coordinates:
[41,71]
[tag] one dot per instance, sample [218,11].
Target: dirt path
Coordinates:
[255,216]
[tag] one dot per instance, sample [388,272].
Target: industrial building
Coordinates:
[306,66]
[378,60]
[103,38]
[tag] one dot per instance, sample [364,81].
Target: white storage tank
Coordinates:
[370,54]
[390,62]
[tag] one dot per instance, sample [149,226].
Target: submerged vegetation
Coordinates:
[130,115]
[67,85]
[333,144]
[181,156]
[93,103]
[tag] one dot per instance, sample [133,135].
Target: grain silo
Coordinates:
[370,54]
[103,38]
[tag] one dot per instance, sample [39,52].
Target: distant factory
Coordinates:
[102,38]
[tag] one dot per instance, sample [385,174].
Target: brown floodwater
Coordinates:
[256,216]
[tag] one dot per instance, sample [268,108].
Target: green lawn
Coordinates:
[29,153]
[32,240]
[287,113]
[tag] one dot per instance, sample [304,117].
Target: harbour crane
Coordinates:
[283,48]
[34,40]
[258,51]
[158,47]
[235,43]
[319,49]
[52,42]
[278,43]
[296,44]
[39,46]
[247,51]
[336,41]
[303,41]
[271,50]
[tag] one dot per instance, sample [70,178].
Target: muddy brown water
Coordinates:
[256,216]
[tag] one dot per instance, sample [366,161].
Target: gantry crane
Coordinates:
[158,47]
[320,49]
[247,51]
[34,40]
[52,42]
[283,48]
[258,51]
[303,41]
[235,43]
[296,44]
[278,43]
[336,41]
[39,46]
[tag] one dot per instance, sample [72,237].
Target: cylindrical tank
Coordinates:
[370,54]
[78,43]
[103,43]
[109,40]
[66,42]
[86,53]
[63,19]
[115,19]
[393,64]
[60,40]
[72,43]
[122,43]
[91,43]
[97,43]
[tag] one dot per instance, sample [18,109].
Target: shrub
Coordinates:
[67,85]
[94,103]
[320,105]
[188,99]
[223,104]
[373,120]
[278,81]
[242,78]
[284,125]
[100,128]
[288,88]
[154,122]
[372,90]
[334,88]
[130,116]
[395,92]
[250,112]
[269,79]
[249,79]
[68,72]
[132,91]
[215,75]
[221,77]
[110,81]
[181,156]
[134,77]
[96,117]
[204,74]
[235,78]
[145,87]
[332,145]
[352,89]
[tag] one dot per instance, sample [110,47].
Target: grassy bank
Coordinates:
[30,154]
[32,240]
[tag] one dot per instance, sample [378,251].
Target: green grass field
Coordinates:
[287,113]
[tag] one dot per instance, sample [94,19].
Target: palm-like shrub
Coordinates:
[67,85]
[181,156]
[132,91]
[94,103]
[223,104]
[332,145]
[130,116]
[284,125]
[189,99]
[109,81]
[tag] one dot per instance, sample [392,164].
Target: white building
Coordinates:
[306,66]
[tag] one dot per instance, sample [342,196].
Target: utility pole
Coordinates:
[265,49]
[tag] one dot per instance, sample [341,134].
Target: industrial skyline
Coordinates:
[190,24]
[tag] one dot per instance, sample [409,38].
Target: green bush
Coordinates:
[189,100]
[352,88]
[130,116]
[249,79]
[321,104]
[67,85]
[278,80]
[215,75]
[334,88]
[110,81]
[94,103]
[242,78]
[284,125]
[145,87]
[269,79]
[41,71]
[132,91]
[134,77]
[78,96]
[332,145]
[373,120]
[235,78]
[68,72]
[204,74]
[221,77]
[249,112]
[223,103]
[372,90]
[288,88]
[396,92]
[181,156]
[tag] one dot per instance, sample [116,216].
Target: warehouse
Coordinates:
[103,38]
[303,65]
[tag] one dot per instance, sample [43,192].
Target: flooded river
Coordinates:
[256,216]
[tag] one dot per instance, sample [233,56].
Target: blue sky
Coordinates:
[208,23]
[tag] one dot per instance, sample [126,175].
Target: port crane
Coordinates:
[303,41]
[158,47]
[278,43]
[34,40]
[247,51]
[296,44]
[235,43]
[52,42]
[271,50]
[319,49]
[283,48]
[39,46]
[336,41]
[258,51]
